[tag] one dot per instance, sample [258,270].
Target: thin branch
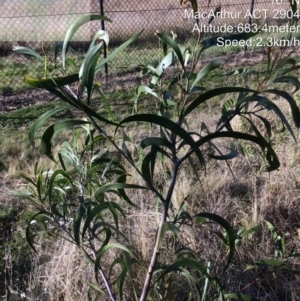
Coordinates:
[105,280]
[163,219]
[155,255]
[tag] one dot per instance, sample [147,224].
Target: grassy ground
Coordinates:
[250,199]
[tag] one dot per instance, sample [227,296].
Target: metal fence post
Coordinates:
[250,18]
[104,48]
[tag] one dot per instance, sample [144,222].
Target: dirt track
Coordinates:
[12,101]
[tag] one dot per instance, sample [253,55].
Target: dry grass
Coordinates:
[19,156]
[60,273]
[250,199]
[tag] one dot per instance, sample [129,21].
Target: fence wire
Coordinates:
[40,24]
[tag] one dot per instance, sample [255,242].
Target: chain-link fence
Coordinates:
[40,24]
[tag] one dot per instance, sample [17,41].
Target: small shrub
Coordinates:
[104,172]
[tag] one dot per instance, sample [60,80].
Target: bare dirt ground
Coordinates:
[11,101]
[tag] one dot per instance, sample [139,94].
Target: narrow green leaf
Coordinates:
[53,130]
[77,222]
[91,216]
[143,89]
[118,50]
[183,217]
[206,283]
[41,120]
[26,50]
[163,36]
[67,97]
[74,27]
[88,70]
[167,124]
[148,69]
[104,249]
[231,155]
[120,261]
[145,168]
[96,288]
[206,69]
[51,82]
[28,179]
[271,262]
[291,69]
[125,148]
[188,55]
[105,101]
[271,105]
[249,231]
[212,93]
[164,47]
[56,211]
[122,179]
[108,234]
[179,77]
[167,226]
[166,62]
[52,182]
[266,123]
[104,160]
[61,161]
[228,104]
[183,251]
[153,154]
[284,62]
[197,89]
[250,267]
[229,230]
[71,62]
[99,36]
[30,239]
[180,264]
[257,132]
[291,80]
[98,225]
[270,155]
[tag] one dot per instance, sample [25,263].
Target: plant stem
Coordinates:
[105,280]
[154,255]
[163,219]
